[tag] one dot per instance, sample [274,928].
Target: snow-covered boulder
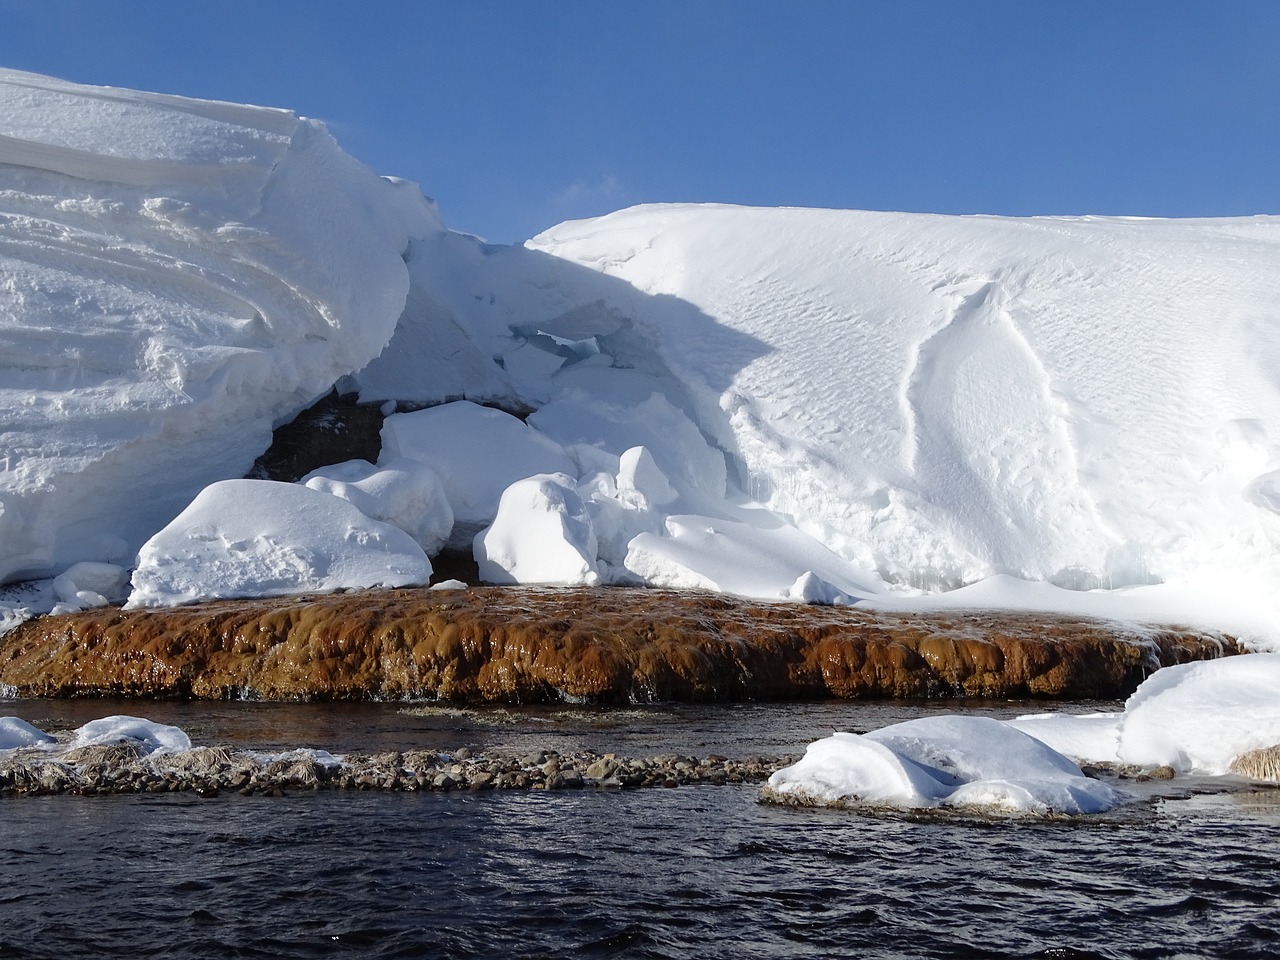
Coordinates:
[542,534]
[949,761]
[811,588]
[149,736]
[404,493]
[16,732]
[259,538]
[1201,716]
[178,276]
[642,481]
[476,451]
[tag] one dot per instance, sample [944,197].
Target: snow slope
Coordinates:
[1092,402]
[1095,401]
[175,276]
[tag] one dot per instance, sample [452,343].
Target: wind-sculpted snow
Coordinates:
[1088,401]
[175,276]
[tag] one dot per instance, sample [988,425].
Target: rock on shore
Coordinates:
[602,645]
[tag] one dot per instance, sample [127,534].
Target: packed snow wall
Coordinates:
[175,276]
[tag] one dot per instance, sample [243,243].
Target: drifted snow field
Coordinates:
[1077,414]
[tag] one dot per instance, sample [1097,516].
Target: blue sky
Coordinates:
[516,115]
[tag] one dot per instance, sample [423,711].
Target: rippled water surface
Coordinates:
[689,872]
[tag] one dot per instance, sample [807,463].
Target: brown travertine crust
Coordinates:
[604,645]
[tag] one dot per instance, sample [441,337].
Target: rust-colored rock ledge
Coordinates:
[504,644]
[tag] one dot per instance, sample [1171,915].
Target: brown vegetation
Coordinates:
[602,645]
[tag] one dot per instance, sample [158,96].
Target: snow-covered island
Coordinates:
[1074,414]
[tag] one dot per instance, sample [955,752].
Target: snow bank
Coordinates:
[952,761]
[404,493]
[1194,717]
[258,538]
[833,405]
[541,534]
[178,275]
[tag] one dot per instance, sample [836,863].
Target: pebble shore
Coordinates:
[212,771]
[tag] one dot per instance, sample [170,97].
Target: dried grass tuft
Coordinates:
[1261,764]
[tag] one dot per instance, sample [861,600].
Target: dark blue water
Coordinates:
[689,872]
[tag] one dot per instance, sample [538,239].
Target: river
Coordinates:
[1190,870]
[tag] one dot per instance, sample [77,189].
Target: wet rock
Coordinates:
[603,645]
[602,769]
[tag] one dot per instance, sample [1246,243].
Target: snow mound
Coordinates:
[477,452]
[178,275]
[591,425]
[86,585]
[811,588]
[404,493]
[951,761]
[151,737]
[259,538]
[1193,717]
[542,534]
[15,732]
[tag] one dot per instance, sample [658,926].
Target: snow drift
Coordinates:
[833,405]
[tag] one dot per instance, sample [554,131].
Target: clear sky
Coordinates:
[516,115]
